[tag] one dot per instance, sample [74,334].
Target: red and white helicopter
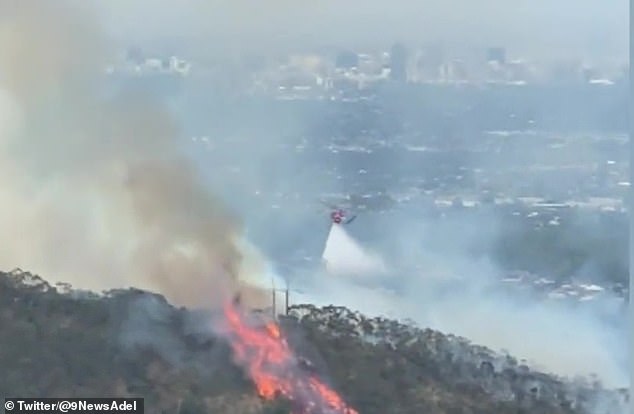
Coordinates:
[340,216]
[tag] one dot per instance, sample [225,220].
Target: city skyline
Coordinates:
[538,28]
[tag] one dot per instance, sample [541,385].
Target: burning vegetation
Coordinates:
[262,349]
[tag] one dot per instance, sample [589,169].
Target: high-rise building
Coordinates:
[398,63]
[428,63]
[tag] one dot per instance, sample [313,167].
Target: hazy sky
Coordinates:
[536,26]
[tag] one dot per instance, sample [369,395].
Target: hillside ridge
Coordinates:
[129,342]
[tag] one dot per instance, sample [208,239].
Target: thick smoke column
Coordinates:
[95,191]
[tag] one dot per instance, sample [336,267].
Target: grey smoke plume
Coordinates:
[447,291]
[95,191]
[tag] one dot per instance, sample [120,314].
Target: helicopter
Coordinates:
[340,216]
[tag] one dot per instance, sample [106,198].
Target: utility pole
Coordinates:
[630,203]
[274,293]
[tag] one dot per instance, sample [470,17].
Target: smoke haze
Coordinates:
[95,191]
[456,295]
[565,27]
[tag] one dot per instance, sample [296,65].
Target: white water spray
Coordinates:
[344,256]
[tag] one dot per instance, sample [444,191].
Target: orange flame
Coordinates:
[270,363]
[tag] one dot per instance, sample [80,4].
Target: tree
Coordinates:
[191,405]
[278,406]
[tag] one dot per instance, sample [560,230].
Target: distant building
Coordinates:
[135,55]
[153,64]
[294,78]
[165,64]
[180,66]
[428,64]
[496,54]
[518,71]
[346,86]
[347,60]
[457,71]
[369,64]
[398,63]
[495,72]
